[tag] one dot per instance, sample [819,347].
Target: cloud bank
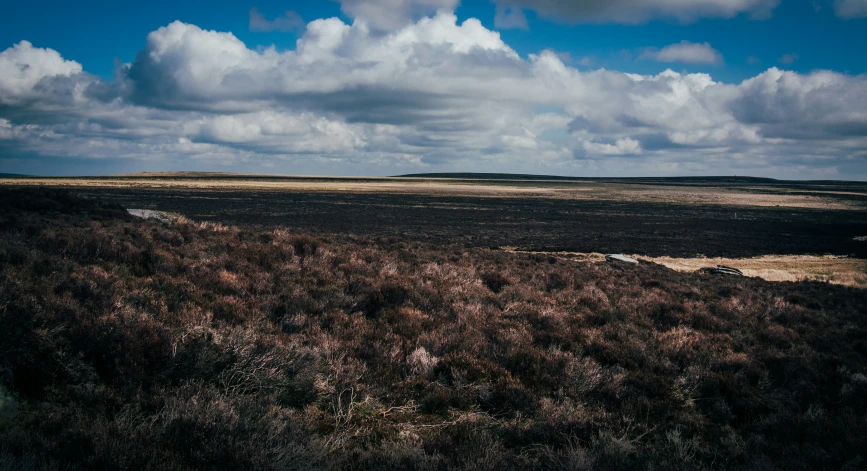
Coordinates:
[397,91]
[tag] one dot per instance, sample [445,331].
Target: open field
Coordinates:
[638,224]
[139,344]
[749,193]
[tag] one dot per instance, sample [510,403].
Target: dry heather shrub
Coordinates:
[246,348]
[585,374]
[229,280]
[420,362]
[259,364]
[680,342]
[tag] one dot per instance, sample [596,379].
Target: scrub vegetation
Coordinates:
[135,344]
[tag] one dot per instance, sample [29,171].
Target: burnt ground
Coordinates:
[653,229]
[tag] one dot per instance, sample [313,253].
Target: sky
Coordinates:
[772,88]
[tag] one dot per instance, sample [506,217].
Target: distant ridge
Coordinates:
[511,176]
[456,176]
[489,176]
[180,174]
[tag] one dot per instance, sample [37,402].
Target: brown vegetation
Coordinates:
[812,196]
[139,345]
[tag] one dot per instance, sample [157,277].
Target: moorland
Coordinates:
[426,324]
[723,217]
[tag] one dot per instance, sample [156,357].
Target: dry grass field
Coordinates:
[815,197]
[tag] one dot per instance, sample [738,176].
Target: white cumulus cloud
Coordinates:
[23,67]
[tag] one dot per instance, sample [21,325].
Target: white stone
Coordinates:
[620,258]
[151,214]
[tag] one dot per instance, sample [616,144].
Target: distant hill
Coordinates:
[732,179]
[488,176]
[179,174]
[511,176]
[708,180]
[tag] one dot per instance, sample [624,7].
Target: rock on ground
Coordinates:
[620,258]
[151,214]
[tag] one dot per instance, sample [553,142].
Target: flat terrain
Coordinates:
[729,192]
[682,218]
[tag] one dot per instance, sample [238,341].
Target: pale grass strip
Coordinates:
[828,268]
[573,190]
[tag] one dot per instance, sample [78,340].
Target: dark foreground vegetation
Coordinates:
[142,345]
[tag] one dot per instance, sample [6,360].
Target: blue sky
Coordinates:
[95,32]
[782,57]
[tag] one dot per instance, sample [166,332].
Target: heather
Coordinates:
[137,344]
